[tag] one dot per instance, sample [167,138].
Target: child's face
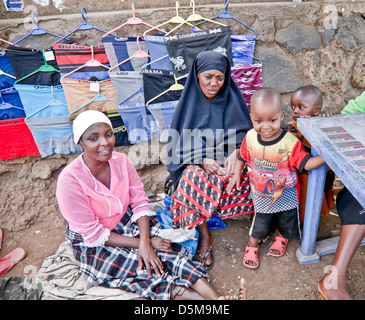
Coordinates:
[266,116]
[303,105]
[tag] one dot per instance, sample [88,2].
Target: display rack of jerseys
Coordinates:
[135,81]
[43,99]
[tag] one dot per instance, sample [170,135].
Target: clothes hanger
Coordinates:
[53,102]
[133,21]
[83,26]
[98,97]
[90,63]
[7,42]
[6,74]
[6,105]
[44,68]
[174,20]
[154,61]
[37,31]
[1,54]
[194,17]
[175,87]
[132,95]
[226,15]
[251,56]
[137,54]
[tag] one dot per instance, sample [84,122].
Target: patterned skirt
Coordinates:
[115,267]
[199,195]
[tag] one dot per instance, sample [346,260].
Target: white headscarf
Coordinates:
[86,119]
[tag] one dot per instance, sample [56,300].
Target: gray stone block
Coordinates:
[298,37]
[351,32]
[278,71]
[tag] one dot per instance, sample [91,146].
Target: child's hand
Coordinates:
[230,162]
[234,183]
[325,114]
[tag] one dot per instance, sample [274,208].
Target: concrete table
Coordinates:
[340,140]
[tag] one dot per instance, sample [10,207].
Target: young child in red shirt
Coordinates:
[273,156]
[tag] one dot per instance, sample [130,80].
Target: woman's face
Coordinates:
[98,142]
[210,82]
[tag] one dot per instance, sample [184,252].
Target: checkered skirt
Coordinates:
[115,267]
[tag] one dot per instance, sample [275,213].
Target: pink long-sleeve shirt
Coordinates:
[93,210]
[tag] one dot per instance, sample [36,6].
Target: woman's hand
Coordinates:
[213,167]
[161,244]
[147,247]
[148,257]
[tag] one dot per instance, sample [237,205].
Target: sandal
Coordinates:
[321,294]
[7,262]
[204,257]
[279,244]
[251,254]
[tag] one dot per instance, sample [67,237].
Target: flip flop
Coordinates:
[11,259]
[279,244]
[321,295]
[251,254]
[204,257]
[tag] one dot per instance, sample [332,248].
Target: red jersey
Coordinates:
[272,169]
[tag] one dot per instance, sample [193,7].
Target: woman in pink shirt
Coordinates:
[113,232]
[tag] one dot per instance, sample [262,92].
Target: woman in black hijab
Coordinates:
[208,127]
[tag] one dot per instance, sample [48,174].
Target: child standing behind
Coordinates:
[273,155]
[307,102]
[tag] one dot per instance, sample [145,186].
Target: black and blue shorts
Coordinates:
[286,222]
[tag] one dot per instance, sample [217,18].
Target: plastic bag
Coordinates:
[164,217]
[215,223]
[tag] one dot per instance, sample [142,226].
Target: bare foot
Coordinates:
[242,295]
[333,288]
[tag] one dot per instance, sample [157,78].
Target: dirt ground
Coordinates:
[276,278]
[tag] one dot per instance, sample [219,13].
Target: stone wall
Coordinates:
[314,42]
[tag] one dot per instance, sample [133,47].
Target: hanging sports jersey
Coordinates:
[16,140]
[25,61]
[71,56]
[120,49]
[183,48]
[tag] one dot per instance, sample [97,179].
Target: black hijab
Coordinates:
[227,111]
